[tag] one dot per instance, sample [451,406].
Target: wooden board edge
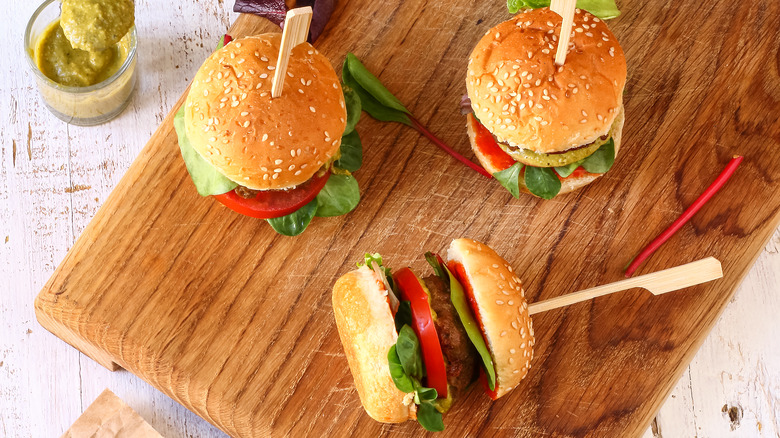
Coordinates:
[71,335]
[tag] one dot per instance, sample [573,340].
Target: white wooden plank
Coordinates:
[737,366]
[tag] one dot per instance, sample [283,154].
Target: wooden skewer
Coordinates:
[658,283]
[296,30]
[557,7]
[565,8]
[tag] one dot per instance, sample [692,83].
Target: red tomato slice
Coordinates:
[459,272]
[488,147]
[412,291]
[269,204]
[493,394]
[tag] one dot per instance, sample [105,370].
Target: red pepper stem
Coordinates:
[435,140]
[686,216]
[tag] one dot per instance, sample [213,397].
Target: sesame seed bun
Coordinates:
[502,310]
[568,184]
[367,331]
[527,101]
[259,142]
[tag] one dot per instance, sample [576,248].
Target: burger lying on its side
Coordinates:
[281,159]
[413,345]
[539,127]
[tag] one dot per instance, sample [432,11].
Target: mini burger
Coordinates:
[539,127]
[415,344]
[264,157]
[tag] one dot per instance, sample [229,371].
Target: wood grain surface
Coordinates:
[234,322]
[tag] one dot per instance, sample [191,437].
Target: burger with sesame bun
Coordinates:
[283,159]
[414,345]
[539,127]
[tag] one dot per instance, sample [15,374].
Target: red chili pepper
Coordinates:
[687,214]
[424,131]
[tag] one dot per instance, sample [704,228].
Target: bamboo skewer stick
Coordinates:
[565,8]
[296,30]
[557,7]
[658,283]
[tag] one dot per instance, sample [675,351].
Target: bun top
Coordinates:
[259,142]
[527,101]
[502,310]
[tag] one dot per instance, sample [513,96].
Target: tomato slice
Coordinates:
[269,204]
[459,272]
[492,393]
[412,291]
[488,147]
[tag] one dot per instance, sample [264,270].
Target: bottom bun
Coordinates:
[501,309]
[568,184]
[367,331]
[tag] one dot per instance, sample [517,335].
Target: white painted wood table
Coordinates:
[53,178]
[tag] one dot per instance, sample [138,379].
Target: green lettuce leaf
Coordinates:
[371,84]
[604,9]
[568,169]
[601,160]
[408,348]
[221,43]
[352,101]
[295,223]
[400,378]
[510,178]
[462,307]
[208,181]
[429,418]
[425,395]
[351,152]
[369,103]
[403,316]
[339,196]
[437,267]
[515,5]
[542,182]
[406,369]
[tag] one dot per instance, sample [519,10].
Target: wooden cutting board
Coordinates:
[234,321]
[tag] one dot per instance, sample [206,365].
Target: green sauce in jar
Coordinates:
[95,25]
[66,65]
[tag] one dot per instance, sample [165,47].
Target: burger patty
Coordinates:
[458,350]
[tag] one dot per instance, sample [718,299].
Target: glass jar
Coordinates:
[84,106]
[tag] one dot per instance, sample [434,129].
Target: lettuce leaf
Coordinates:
[352,102]
[568,169]
[510,178]
[339,196]
[207,179]
[604,9]
[463,308]
[406,369]
[351,153]
[373,95]
[542,182]
[601,160]
[296,222]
